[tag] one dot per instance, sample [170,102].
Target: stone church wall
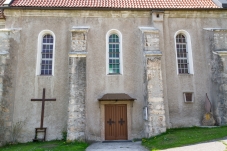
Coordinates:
[97,82]
[183,114]
[26,84]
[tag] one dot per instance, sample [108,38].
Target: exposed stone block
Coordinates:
[157,112]
[153,100]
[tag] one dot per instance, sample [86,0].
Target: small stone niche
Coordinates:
[157,16]
[188,97]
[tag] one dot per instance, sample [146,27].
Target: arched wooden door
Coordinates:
[116,122]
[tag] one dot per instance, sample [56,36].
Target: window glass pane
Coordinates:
[111,70]
[47,55]
[182,54]
[114,54]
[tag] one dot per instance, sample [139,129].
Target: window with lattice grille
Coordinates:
[114,54]
[47,55]
[182,54]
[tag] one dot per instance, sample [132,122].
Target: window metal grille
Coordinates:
[182,54]
[114,54]
[47,55]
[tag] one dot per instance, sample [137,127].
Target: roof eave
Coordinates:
[104,8]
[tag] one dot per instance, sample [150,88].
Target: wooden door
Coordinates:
[116,122]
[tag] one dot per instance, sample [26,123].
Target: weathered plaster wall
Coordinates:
[181,113]
[130,82]
[98,83]
[28,85]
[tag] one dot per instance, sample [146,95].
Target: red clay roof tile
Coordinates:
[116,3]
[1,12]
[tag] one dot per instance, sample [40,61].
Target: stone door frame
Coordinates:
[102,115]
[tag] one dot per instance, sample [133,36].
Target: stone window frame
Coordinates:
[39,51]
[189,51]
[117,32]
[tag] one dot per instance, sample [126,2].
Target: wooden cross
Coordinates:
[121,121]
[43,105]
[110,122]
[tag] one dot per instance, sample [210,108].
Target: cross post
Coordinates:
[43,106]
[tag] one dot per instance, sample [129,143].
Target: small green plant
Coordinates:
[56,145]
[178,137]
[225,145]
[64,135]
[16,131]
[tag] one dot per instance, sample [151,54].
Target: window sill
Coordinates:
[44,75]
[185,74]
[114,74]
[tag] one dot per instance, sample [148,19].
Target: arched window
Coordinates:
[183,53]
[114,52]
[45,57]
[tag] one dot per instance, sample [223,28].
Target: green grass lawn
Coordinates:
[184,136]
[46,146]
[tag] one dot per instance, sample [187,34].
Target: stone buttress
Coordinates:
[155,123]
[217,38]
[8,37]
[77,84]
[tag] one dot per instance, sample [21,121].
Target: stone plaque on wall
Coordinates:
[151,41]
[220,40]
[78,41]
[150,38]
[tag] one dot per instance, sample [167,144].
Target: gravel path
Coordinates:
[216,145]
[116,146]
